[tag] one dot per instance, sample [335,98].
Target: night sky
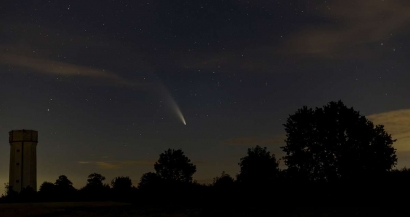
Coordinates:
[109,84]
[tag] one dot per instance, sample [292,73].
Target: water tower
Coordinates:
[23,159]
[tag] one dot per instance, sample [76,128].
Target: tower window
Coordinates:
[18,150]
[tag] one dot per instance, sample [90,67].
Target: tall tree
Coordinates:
[173,165]
[336,142]
[259,166]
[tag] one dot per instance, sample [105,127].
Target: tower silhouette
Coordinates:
[23,159]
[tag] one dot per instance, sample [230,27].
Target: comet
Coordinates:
[172,103]
[179,113]
[175,108]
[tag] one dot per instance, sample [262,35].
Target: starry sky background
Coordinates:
[102,81]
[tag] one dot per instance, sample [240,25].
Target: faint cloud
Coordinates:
[336,29]
[107,165]
[403,159]
[117,164]
[397,123]
[350,24]
[47,66]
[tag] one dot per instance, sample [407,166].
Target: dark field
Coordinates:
[123,209]
[67,209]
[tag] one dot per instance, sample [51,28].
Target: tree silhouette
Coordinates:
[47,190]
[47,187]
[95,180]
[223,190]
[27,194]
[95,189]
[121,183]
[63,181]
[149,181]
[9,192]
[64,189]
[152,188]
[399,178]
[259,166]
[122,189]
[223,181]
[173,165]
[63,184]
[336,143]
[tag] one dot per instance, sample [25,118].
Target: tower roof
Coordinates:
[23,136]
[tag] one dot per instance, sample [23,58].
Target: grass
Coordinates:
[105,209]
[68,209]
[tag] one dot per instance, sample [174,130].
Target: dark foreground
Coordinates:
[123,209]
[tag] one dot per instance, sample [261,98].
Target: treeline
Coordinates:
[334,156]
